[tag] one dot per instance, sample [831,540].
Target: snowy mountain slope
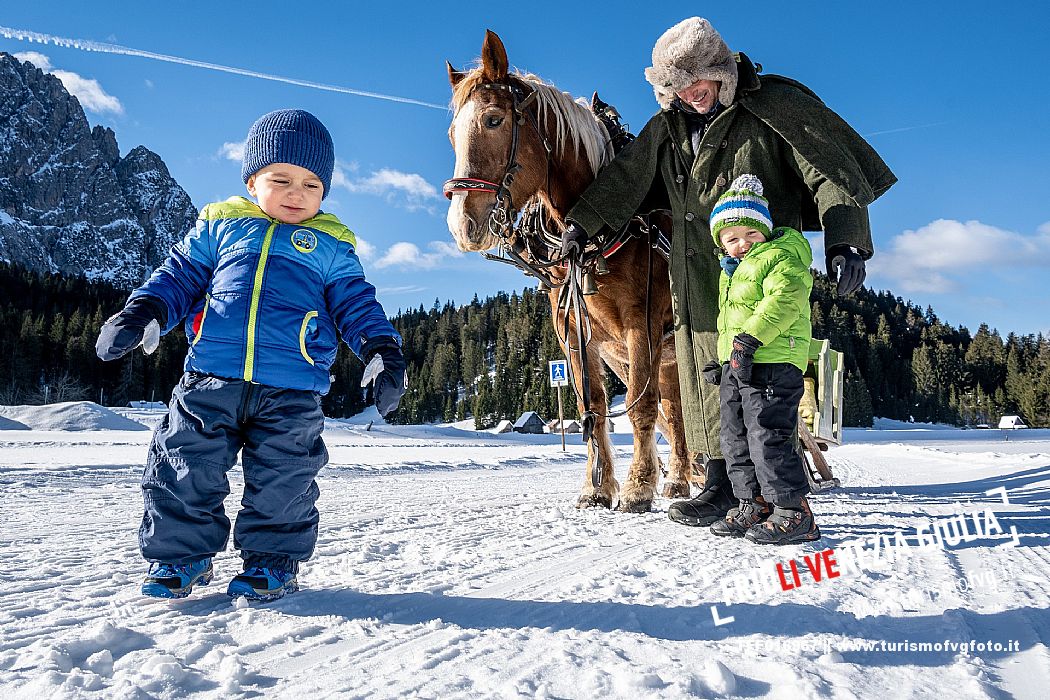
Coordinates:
[435,580]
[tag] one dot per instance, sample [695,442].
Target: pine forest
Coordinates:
[488,359]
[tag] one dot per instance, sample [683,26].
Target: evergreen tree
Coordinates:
[856,402]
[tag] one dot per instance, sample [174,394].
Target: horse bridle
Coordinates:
[501,217]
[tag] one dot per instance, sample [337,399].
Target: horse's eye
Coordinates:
[492,121]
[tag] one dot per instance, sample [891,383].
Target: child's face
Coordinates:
[287,192]
[737,240]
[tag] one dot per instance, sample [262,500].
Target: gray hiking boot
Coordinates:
[786,526]
[741,519]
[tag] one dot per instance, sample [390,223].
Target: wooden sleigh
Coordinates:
[820,413]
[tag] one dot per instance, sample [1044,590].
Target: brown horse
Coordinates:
[521,141]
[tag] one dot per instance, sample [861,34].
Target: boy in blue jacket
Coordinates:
[265,290]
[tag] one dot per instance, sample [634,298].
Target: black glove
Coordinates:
[742,359]
[390,384]
[712,372]
[573,240]
[123,332]
[846,267]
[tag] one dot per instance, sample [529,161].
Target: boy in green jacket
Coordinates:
[763,340]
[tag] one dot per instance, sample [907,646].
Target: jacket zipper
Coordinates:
[253,310]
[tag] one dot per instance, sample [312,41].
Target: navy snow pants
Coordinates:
[759,433]
[210,420]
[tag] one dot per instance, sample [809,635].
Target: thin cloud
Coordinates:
[36,58]
[84,45]
[941,256]
[365,250]
[408,255]
[408,190]
[816,242]
[232,150]
[91,95]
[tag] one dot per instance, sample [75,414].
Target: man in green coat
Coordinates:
[719,119]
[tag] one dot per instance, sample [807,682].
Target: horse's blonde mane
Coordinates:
[573,123]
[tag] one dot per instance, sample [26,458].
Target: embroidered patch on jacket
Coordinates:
[304,241]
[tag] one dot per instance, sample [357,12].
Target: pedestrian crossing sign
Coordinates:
[559,373]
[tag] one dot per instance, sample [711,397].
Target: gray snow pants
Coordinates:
[759,433]
[210,420]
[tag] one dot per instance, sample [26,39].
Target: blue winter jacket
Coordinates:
[262,299]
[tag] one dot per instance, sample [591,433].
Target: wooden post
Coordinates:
[561,420]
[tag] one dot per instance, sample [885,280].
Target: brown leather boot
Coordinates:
[738,520]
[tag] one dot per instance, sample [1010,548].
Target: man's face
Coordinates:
[287,192]
[737,240]
[701,95]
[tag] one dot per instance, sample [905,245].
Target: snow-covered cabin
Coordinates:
[571,426]
[147,405]
[529,422]
[1011,423]
[504,426]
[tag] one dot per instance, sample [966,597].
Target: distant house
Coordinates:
[529,422]
[571,426]
[505,426]
[153,405]
[1011,423]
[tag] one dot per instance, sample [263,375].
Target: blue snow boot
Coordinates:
[262,583]
[166,580]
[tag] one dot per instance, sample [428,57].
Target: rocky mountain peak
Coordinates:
[106,142]
[68,202]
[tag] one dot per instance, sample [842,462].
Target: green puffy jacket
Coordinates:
[768,297]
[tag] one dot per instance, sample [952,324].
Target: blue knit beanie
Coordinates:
[290,136]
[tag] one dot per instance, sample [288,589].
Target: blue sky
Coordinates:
[954,96]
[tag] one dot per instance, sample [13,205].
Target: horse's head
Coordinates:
[500,157]
[516,137]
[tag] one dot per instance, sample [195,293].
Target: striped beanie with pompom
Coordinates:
[741,205]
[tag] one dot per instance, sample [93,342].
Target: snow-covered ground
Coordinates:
[453,564]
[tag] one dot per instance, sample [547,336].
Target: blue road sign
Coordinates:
[559,373]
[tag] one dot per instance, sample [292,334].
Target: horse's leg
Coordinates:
[672,424]
[605,494]
[643,391]
[621,370]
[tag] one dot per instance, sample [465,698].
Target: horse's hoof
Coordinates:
[634,506]
[594,500]
[675,489]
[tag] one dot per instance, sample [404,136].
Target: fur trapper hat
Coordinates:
[689,51]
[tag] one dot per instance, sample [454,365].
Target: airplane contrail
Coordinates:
[903,128]
[85,45]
